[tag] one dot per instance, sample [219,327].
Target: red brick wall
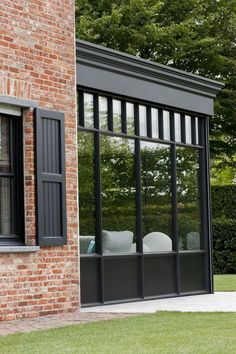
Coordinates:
[37,61]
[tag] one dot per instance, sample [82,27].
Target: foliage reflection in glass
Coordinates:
[130,118]
[88,111]
[188,131]
[116,106]
[177,119]
[166,125]
[189,221]
[156,188]
[155,125]
[86,190]
[118,189]
[103,112]
[4,145]
[142,120]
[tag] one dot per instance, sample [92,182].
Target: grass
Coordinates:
[225,282]
[163,332]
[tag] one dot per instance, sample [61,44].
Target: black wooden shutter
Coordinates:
[51,186]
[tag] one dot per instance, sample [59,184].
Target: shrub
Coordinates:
[224,228]
[224,201]
[224,241]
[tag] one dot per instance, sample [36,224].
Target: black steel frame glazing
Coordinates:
[16,177]
[181,260]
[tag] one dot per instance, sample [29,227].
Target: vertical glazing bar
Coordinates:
[160,118]
[172,126]
[183,130]
[98,207]
[110,114]
[136,118]
[81,108]
[201,129]
[149,122]
[175,237]
[95,111]
[139,225]
[139,221]
[123,117]
[193,130]
[206,202]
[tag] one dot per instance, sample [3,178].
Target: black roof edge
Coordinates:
[94,55]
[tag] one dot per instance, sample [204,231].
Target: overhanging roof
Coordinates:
[112,71]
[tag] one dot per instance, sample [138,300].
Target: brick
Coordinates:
[37,62]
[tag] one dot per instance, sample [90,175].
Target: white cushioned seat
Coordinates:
[157,242]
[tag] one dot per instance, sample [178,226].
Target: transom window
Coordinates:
[139,176]
[123,116]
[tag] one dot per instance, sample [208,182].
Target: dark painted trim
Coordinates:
[208,207]
[96,56]
[42,176]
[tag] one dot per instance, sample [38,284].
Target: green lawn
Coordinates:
[164,332]
[225,282]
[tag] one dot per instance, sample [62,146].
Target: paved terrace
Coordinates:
[218,302]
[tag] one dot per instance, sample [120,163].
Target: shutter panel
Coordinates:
[51,186]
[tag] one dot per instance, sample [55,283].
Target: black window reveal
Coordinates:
[11,181]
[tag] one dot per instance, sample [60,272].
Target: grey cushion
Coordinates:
[84,242]
[193,241]
[117,241]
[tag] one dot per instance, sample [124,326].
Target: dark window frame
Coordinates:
[137,139]
[17,186]
[176,254]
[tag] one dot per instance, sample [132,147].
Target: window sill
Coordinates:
[19,249]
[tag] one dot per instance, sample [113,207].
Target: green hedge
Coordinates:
[224,201]
[224,229]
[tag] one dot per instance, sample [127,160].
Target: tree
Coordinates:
[193,35]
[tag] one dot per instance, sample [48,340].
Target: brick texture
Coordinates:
[37,61]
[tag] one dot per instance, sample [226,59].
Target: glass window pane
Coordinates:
[156,197]
[86,192]
[155,125]
[118,195]
[143,120]
[5,207]
[116,116]
[103,112]
[177,127]
[88,111]
[130,118]
[5,165]
[189,221]
[197,130]
[188,130]
[166,125]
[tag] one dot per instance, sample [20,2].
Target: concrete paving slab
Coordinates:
[218,302]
